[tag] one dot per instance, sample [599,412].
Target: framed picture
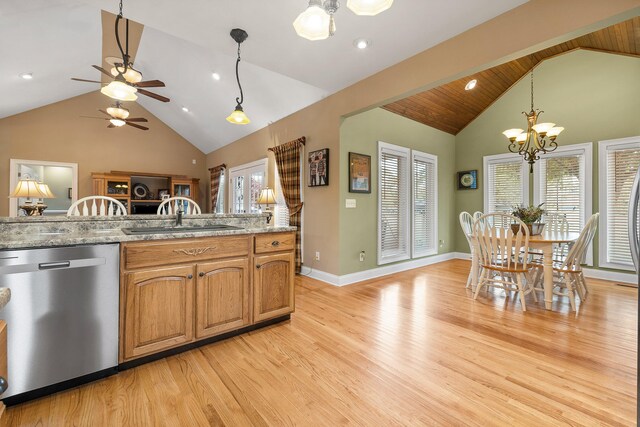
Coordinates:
[319,168]
[359,173]
[468,180]
[163,194]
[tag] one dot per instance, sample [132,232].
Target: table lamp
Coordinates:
[49,195]
[28,188]
[267,198]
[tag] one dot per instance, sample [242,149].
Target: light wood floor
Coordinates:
[408,349]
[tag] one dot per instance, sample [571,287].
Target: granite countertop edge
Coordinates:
[5,297]
[117,236]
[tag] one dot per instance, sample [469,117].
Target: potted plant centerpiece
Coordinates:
[531,216]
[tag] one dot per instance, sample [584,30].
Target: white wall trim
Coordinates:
[614,276]
[348,279]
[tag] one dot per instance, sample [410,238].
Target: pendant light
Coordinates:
[238,117]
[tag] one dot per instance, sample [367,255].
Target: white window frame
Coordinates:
[246,170]
[433,159]
[586,150]
[406,217]
[603,148]
[503,158]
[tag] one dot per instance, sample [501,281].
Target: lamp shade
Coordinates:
[313,23]
[132,76]
[46,190]
[238,117]
[267,197]
[368,7]
[27,188]
[118,122]
[512,134]
[543,128]
[118,112]
[120,91]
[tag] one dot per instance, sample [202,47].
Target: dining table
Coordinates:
[543,242]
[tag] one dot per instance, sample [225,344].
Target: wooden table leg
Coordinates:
[547,262]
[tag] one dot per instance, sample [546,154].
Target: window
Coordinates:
[219,207]
[506,182]
[619,160]
[280,210]
[425,196]
[245,183]
[393,203]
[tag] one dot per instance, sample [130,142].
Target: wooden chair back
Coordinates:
[501,248]
[97,206]
[578,251]
[466,222]
[556,223]
[172,205]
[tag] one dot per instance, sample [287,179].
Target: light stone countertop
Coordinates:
[5,297]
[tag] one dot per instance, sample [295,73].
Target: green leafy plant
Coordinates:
[529,214]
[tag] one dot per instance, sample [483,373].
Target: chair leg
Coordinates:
[575,279]
[521,291]
[469,281]
[570,293]
[583,283]
[480,284]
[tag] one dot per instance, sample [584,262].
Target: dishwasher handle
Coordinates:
[52,265]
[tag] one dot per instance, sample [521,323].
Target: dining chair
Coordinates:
[568,277]
[172,205]
[466,222]
[499,249]
[554,223]
[477,214]
[97,206]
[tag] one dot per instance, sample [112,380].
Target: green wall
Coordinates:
[594,96]
[360,134]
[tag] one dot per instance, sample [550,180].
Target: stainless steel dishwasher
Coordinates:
[62,320]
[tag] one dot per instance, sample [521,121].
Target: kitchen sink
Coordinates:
[179,229]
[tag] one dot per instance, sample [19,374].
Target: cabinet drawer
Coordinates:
[155,253]
[275,242]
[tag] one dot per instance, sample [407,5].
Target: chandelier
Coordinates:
[317,23]
[539,138]
[238,117]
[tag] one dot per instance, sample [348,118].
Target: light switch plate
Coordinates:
[350,203]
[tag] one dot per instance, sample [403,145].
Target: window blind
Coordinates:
[393,203]
[424,204]
[504,186]
[562,188]
[281,212]
[622,165]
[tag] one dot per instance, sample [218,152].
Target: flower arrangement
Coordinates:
[530,214]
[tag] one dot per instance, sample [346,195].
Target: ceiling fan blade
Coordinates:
[90,117]
[102,70]
[137,126]
[83,80]
[104,112]
[111,125]
[136,119]
[150,83]
[153,95]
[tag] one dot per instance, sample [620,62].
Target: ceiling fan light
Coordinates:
[368,7]
[118,112]
[313,23]
[512,134]
[238,117]
[120,91]
[118,122]
[543,128]
[132,76]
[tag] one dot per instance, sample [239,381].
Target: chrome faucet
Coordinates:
[179,214]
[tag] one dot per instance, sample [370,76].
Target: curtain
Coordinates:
[216,172]
[288,163]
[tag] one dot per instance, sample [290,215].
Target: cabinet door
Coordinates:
[273,286]
[158,311]
[222,296]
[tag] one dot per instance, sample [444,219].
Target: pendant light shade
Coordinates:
[118,122]
[118,112]
[313,23]
[368,7]
[120,91]
[238,117]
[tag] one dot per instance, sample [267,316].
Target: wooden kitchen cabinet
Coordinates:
[222,296]
[158,310]
[273,286]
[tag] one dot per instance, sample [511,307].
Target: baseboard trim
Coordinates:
[374,273]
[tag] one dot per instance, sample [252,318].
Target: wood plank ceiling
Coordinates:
[450,108]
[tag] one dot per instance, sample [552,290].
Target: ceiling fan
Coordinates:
[119,116]
[126,80]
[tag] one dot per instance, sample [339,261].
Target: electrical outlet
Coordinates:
[361,256]
[193,161]
[317,258]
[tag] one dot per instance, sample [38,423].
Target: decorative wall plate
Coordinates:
[468,180]
[140,191]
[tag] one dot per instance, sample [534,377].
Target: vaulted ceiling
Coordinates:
[450,107]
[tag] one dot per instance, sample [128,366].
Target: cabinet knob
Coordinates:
[275,243]
[258,266]
[4,385]
[190,276]
[201,274]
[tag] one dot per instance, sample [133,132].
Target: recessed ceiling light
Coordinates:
[471,84]
[362,43]
[26,76]
[185,109]
[215,76]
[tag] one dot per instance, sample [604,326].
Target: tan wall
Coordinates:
[57,133]
[533,26]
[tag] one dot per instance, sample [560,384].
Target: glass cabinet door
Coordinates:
[182,190]
[117,188]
